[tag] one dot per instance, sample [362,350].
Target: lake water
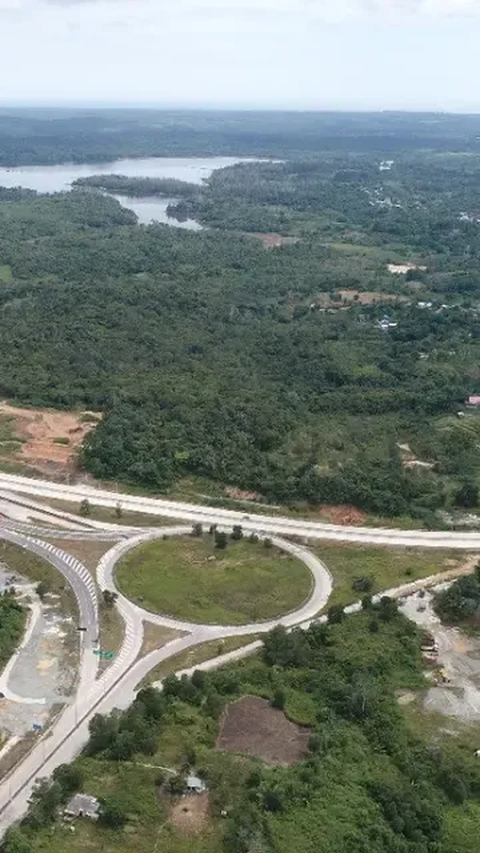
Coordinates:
[53,179]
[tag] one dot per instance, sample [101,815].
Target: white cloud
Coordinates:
[318,9]
[302,53]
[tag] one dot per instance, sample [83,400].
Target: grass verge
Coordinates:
[383,567]
[155,636]
[197,655]
[109,514]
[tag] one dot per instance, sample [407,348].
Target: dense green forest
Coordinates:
[33,136]
[140,186]
[12,620]
[307,372]
[372,779]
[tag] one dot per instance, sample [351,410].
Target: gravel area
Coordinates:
[458,660]
[44,669]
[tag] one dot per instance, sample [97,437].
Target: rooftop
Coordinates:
[82,805]
[195,783]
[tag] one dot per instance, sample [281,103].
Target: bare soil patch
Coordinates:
[88,551]
[343,514]
[241,494]
[41,430]
[367,297]
[155,636]
[272,240]
[190,814]
[252,727]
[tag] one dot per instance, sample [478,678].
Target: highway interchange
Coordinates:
[115,687]
[270,524]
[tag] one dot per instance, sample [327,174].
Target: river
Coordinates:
[53,179]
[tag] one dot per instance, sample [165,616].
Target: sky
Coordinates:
[292,54]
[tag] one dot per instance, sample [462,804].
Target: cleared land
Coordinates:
[384,567]
[190,579]
[190,814]
[252,727]
[43,438]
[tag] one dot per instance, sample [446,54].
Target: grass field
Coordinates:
[190,579]
[385,567]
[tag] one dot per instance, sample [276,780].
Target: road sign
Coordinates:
[81,628]
[103,654]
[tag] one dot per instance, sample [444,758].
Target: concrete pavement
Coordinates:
[271,525]
[116,687]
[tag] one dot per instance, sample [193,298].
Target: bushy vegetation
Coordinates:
[460,602]
[12,620]
[370,782]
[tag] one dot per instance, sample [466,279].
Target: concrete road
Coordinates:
[74,572]
[320,593]
[270,524]
[15,784]
[117,685]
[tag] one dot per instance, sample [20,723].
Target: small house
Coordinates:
[474,400]
[195,785]
[82,805]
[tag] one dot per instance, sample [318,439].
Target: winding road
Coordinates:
[116,687]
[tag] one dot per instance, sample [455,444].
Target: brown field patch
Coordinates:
[190,814]
[367,297]
[252,727]
[241,494]
[40,430]
[270,241]
[343,514]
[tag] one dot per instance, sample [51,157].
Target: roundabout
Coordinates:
[315,577]
[296,603]
[189,578]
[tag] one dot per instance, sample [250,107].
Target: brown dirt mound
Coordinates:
[39,428]
[241,494]
[190,813]
[343,514]
[252,727]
